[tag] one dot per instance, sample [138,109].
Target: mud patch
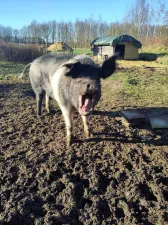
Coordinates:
[117,177]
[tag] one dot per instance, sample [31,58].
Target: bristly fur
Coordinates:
[73,81]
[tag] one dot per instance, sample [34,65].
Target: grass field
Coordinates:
[139,81]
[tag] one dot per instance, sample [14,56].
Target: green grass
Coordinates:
[10,70]
[142,87]
[137,85]
[86,51]
[155,49]
[163,60]
[148,54]
[155,53]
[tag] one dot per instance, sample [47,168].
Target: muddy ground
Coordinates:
[117,177]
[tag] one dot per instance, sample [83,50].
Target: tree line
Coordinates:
[142,20]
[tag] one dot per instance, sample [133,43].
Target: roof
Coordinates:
[114,40]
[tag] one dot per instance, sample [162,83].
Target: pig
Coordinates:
[73,81]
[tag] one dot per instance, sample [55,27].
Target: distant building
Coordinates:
[126,45]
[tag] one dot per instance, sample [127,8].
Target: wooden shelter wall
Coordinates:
[131,52]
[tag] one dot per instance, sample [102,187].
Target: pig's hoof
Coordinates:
[68,145]
[89,135]
[48,111]
[69,142]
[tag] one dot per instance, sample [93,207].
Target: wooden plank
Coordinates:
[133,118]
[159,123]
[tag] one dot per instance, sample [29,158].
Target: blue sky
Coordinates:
[19,13]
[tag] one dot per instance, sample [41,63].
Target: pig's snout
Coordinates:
[91,88]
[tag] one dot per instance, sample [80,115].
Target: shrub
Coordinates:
[18,52]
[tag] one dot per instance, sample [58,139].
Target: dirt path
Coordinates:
[117,177]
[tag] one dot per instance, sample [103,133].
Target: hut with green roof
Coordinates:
[126,45]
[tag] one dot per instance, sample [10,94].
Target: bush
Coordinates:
[18,52]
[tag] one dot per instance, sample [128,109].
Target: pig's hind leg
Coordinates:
[39,99]
[38,90]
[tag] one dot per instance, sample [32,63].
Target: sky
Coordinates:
[19,13]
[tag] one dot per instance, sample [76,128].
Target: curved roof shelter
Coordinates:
[115,40]
[125,45]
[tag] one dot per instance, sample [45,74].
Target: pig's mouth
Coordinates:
[86,103]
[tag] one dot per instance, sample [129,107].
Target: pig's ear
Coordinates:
[108,66]
[72,69]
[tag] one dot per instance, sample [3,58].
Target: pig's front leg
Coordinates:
[67,113]
[86,120]
[47,101]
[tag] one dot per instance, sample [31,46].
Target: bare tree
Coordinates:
[141,20]
[15,35]
[53,29]
[6,33]
[161,13]
[45,32]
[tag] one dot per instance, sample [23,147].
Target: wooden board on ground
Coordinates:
[159,123]
[133,118]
